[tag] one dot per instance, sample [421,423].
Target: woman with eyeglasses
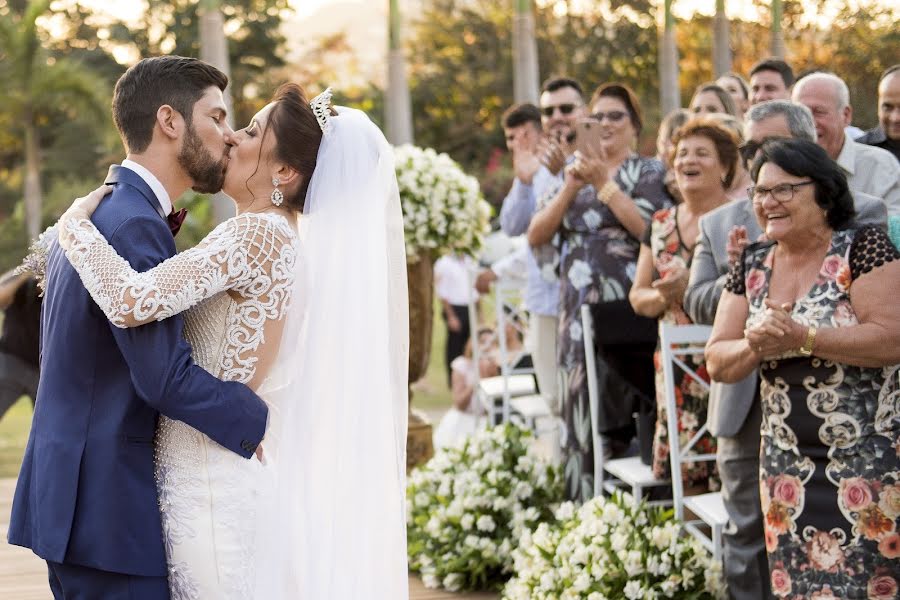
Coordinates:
[815,308]
[705,163]
[596,220]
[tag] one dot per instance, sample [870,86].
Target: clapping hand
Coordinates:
[673,285]
[737,241]
[551,155]
[525,161]
[778,333]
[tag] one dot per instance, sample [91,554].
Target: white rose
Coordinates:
[634,591]
[485,523]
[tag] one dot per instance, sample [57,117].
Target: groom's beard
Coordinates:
[207,173]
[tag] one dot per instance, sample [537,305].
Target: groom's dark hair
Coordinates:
[153,82]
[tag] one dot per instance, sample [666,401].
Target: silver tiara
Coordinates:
[321,107]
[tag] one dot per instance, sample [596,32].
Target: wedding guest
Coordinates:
[734,412]
[709,98]
[19,340]
[538,171]
[738,189]
[887,134]
[868,169]
[597,218]
[664,146]
[454,289]
[770,79]
[466,415]
[739,90]
[814,308]
[706,154]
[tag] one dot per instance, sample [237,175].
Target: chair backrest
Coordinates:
[590,365]
[676,342]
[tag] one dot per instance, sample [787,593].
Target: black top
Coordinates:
[22,324]
[876,137]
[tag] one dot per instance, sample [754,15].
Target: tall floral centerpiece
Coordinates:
[443,212]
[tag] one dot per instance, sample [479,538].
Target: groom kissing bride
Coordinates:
[227,422]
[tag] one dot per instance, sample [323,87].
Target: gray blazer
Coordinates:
[729,403]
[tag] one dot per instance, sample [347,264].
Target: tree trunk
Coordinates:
[778,48]
[669,93]
[398,107]
[214,50]
[526,82]
[721,42]
[33,198]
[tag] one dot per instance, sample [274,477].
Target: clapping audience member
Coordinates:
[455,292]
[705,161]
[770,79]
[664,146]
[598,217]
[466,415]
[709,98]
[19,357]
[887,134]
[561,105]
[814,308]
[738,89]
[867,168]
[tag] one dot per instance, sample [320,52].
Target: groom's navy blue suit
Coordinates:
[86,496]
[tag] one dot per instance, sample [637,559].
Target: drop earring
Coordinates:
[277,196]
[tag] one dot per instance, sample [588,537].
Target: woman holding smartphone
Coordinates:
[598,218]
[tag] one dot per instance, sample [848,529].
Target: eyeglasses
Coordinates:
[781,193]
[565,109]
[614,116]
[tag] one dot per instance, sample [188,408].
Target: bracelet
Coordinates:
[807,348]
[605,193]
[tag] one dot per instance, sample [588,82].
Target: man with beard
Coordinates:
[86,497]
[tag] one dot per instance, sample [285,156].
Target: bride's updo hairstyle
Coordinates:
[297,139]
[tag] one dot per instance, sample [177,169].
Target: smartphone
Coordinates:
[587,138]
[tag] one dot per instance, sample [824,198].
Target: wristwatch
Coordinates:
[807,348]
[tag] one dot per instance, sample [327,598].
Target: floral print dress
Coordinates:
[670,253]
[830,456]
[597,261]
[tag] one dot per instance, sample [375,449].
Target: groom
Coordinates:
[86,495]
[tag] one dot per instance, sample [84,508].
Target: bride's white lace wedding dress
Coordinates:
[237,284]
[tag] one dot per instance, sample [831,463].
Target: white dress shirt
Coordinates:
[150,179]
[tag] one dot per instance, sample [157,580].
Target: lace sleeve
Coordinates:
[232,256]
[871,248]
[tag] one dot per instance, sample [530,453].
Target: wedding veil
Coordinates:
[333,516]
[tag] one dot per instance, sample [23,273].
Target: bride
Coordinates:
[301,296]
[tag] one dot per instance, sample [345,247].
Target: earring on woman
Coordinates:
[277,196]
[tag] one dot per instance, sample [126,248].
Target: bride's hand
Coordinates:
[85,206]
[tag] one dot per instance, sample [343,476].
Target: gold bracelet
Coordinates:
[605,193]
[807,348]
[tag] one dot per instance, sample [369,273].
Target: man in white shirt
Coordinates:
[453,286]
[868,169]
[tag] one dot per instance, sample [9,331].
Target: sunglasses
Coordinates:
[781,193]
[565,109]
[614,116]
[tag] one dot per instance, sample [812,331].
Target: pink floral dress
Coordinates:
[691,399]
[830,456]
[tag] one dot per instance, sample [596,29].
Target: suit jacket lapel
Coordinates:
[119,174]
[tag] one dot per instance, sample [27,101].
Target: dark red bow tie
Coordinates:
[175,219]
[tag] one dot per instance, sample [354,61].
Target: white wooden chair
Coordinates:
[629,472]
[677,342]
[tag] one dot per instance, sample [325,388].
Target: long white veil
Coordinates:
[333,520]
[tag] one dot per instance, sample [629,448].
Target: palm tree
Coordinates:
[398,110]
[778,49]
[525,63]
[37,86]
[214,50]
[721,44]
[669,93]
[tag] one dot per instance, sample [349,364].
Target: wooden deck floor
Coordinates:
[23,576]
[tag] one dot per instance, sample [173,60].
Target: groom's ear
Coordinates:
[169,121]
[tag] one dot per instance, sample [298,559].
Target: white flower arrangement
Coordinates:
[610,549]
[443,209]
[471,502]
